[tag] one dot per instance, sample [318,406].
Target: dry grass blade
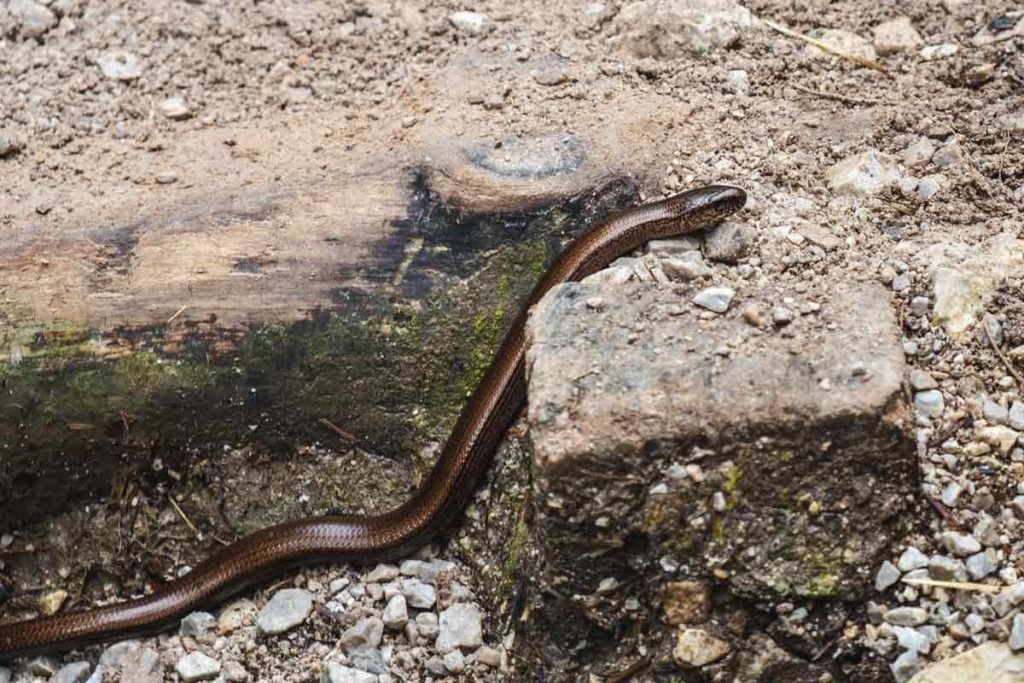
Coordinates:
[863,61]
[956,585]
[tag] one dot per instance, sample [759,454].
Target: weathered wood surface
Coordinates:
[362,303]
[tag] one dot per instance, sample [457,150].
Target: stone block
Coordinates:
[675,444]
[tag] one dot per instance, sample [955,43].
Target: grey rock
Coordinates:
[664,367]
[863,174]
[673,28]
[951,494]
[1015,416]
[120,65]
[551,73]
[906,616]
[911,639]
[887,575]
[728,242]
[906,666]
[782,316]
[197,624]
[470,23]
[371,660]
[454,662]
[901,283]
[197,666]
[337,585]
[364,635]
[43,666]
[947,155]
[396,614]
[336,673]
[115,654]
[76,672]
[488,656]
[980,565]
[994,412]
[681,246]
[716,299]
[929,403]
[286,610]
[5,675]
[427,625]
[233,672]
[460,626]
[418,594]
[919,152]
[141,665]
[175,108]
[436,666]
[959,544]
[685,269]
[928,186]
[919,306]
[942,568]
[1016,640]
[1018,506]
[382,573]
[33,19]
[1002,604]
[10,143]
[896,35]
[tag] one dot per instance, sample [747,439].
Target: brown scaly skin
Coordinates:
[467,454]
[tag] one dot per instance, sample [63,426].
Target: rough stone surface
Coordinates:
[460,626]
[964,277]
[286,610]
[671,28]
[614,393]
[989,662]
[197,666]
[866,173]
[696,647]
[336,673]
[896,35]
[75,672]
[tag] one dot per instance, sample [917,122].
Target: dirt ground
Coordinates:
[111,108]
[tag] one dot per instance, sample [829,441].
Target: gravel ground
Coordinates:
[911,179]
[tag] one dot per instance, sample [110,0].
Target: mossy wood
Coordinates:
[357,310]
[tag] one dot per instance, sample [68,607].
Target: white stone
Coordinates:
[336,673]
[990,662]
[863,174]
[911,559]
[286,610]
[887,575]
[34,19]
[471,23]
[119,65]
[959,544]
[716,299]
[667,29]
[460,626]
[942,51]
[196,666]
[929,403]
[896,35]
[75,672]
[396,614]
[696,647]
[175,108]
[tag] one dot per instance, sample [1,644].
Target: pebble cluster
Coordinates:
[415,621]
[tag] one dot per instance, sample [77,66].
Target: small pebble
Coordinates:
[716,299]
[197,666]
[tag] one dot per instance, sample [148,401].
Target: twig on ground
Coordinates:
[842,98]
[184,517]
[1006,361]
[351,438]
[856,59]
[956,585]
